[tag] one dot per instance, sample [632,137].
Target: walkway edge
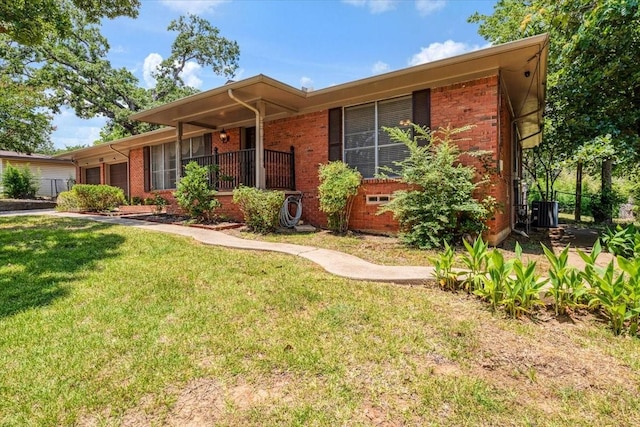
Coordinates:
[334,262]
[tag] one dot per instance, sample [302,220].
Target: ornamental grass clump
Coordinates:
[439,204]
[338,186]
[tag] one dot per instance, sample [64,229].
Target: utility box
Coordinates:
[544,214]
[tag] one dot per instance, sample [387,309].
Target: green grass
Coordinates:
[107,325]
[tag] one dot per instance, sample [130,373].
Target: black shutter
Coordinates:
[146,155]
[422,110]
[335,134]
[207,143]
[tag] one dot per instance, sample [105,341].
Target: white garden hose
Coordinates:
[286,219]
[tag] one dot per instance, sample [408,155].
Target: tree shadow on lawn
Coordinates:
[39,255]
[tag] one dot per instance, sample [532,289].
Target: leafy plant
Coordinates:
[476,262]
[19,182]
[91,198]
[495,281]
[261,208]
[623,241]
[522,292]
[193,194]
[439,206]
[338,185]
[566,284]
[609,293]
[443,264]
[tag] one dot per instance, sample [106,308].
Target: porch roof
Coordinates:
[522,66]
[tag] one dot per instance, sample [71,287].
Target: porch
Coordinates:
[231,169]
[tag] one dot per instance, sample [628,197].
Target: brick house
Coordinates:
[289,132]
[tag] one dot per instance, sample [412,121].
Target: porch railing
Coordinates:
[231,169]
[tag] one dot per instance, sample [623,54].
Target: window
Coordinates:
[193,147]
[367,147]
[163,166]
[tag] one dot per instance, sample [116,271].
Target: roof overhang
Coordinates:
[521,66]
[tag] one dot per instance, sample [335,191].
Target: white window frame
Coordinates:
[165,149]
[189,142]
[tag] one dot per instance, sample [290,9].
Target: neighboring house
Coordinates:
[53,175]
[289,132]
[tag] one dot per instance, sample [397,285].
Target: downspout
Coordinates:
[260,181]
[128,165]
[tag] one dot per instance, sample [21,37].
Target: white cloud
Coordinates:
[426,7]
[375,6]
[306,82]
[196,7]
[189,74]
[437,51]
[379,68]
[71,130]
[149,67]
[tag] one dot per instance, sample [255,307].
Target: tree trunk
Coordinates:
[606,197]
[578,207]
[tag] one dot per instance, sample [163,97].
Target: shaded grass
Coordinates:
[154,329]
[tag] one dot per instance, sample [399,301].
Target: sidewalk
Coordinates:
[334,262]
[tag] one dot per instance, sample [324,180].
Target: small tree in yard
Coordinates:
[439,206]
[19,183]
[194,195]
[338,185]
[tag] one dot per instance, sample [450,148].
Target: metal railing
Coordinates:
[231,169]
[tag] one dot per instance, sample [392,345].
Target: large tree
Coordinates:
[594,79]
[30,21]
[76,73]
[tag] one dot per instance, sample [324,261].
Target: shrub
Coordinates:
[260,208]
[67,201]
[19,183]
[338,185]
[93,198]
[194,195]
[440,204]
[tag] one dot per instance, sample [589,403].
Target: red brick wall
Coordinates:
[471,103]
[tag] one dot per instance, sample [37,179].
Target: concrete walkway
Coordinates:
[334,262]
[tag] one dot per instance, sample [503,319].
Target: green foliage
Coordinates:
[30,22]
[91,198]
[567,288]
[19,182]
[622,241]
[260,208]
[338,186]
[522,292]
[67,201]
[444,272]
[440,205]
[194,195]
[495,279]
[475,261]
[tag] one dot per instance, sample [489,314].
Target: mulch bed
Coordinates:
[165,218]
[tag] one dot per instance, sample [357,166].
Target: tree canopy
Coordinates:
[593,80]
[74,72]
[30,21]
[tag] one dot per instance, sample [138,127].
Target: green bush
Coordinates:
[261,208]
[440,205]
[338,185]
[194,195]
[67,201]
[92,198]
[19,183]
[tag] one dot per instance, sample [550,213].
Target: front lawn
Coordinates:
[108,325]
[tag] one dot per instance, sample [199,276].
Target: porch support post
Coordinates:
[178,152]
[260,169]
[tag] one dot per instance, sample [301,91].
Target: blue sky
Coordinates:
[308,43]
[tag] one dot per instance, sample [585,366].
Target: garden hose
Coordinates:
[286,219]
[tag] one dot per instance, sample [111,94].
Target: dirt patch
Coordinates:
[165,218]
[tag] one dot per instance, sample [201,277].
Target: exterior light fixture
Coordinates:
[224,137]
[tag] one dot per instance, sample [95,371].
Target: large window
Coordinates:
[367,146]
[193,147]
[163,166]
